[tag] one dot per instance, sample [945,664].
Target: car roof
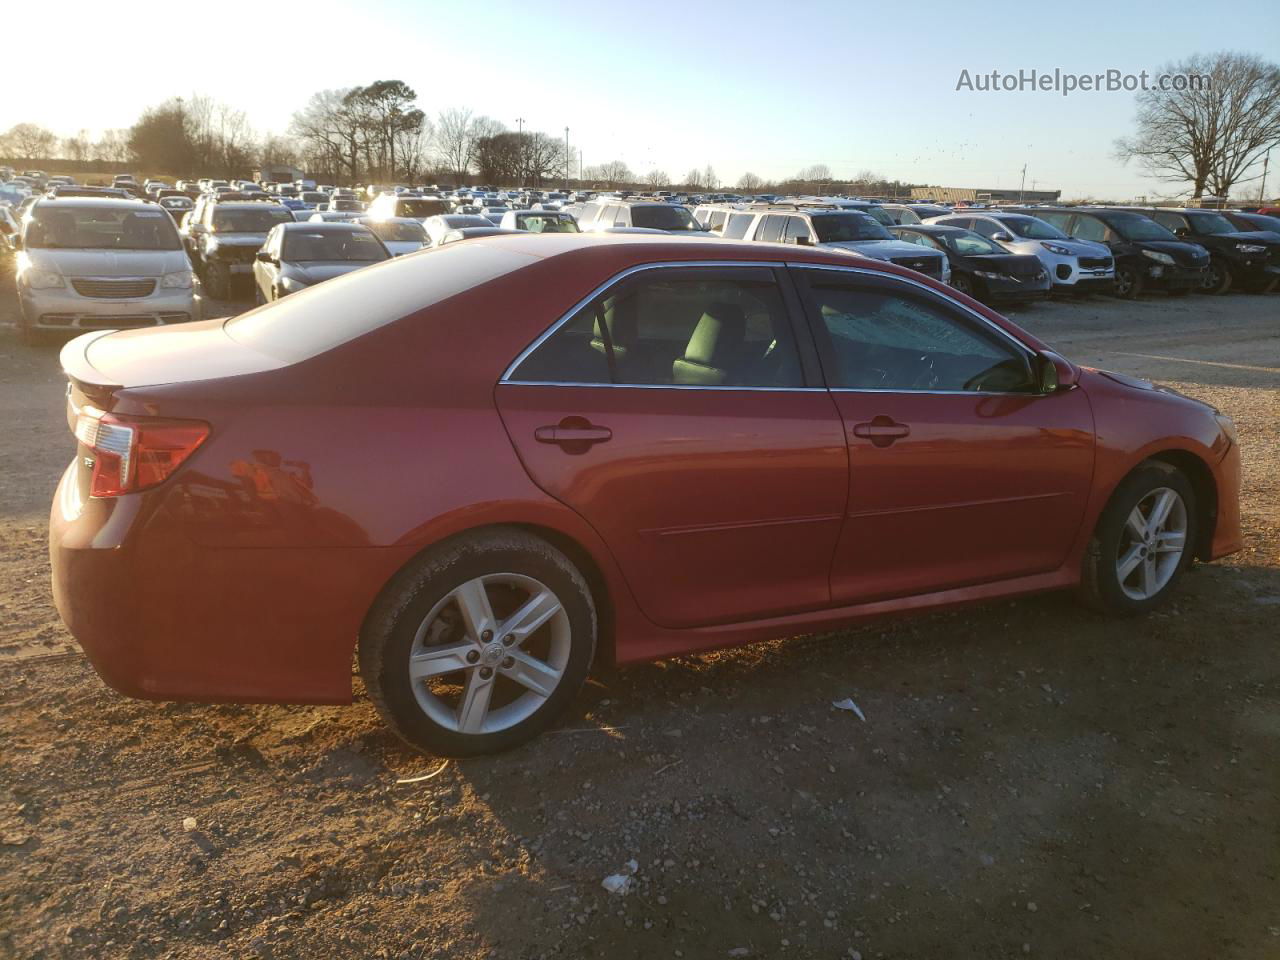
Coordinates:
[313,225]
[930,228]
[115,203]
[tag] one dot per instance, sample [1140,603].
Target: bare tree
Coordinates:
[77,148]
[612,173]
[27,141]
[112,147]
[1209,129]
[693,179]
[709,178]
[454,141]
[749,182]
[657,179]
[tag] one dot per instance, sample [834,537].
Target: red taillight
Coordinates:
[134,453]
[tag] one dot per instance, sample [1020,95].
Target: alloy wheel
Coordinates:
[490,653]
[1152,544]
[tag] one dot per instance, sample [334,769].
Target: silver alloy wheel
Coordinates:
[463,644]
[1151,544]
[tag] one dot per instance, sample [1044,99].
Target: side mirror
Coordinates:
[1181,232]
[1001,237]
[265,257]
[1055,373]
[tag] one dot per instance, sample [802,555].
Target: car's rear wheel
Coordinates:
[962,283]
[480,644]
[1143,542]
[1128,284]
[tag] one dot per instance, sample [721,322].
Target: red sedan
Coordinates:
[488,465]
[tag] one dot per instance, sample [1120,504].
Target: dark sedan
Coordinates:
[299,255]
[979,267]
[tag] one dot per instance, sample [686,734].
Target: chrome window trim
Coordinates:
[768,264]
[616,278]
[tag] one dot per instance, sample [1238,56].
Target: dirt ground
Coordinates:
[1029,780]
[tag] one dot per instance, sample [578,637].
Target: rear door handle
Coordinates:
[881,431]
[573,432]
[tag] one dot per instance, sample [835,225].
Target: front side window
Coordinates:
[1171,221]
[886,337]
[971,244]
[1031,228]
[1090,228]
[708,327]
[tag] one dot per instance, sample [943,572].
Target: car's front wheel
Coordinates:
[480,644]
[1128,285]
[1217,278]
[1143,542]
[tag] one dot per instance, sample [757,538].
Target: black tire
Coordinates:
[218,280]
[962,282]
[1100,586]
[1217,278]
[1128,283]
[389,632]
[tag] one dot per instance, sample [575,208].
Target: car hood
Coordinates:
[316,271]
[883,249]
[109,263]
[1254,236]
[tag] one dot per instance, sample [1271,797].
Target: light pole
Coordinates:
[566,159]
[1262,187]
[1022,188]
[520,148]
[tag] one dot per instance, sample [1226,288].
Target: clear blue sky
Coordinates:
[767,87]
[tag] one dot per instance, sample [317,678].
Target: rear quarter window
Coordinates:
[318,319]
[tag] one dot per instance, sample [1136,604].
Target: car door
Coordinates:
[959,473]
[674,412]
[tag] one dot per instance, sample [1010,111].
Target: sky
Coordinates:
[748,85]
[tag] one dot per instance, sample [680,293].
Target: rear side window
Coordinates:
[886,337]
[720,327]
[796,228]
[770,229]
[717,218]
[735,228]
[1088,228]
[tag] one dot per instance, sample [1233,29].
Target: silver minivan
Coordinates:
[96,264]
[1075,266]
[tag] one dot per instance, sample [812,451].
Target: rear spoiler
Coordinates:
[74,359]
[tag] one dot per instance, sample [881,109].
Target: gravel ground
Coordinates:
[1029,780]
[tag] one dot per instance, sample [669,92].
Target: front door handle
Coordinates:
[881,431]
[573,434]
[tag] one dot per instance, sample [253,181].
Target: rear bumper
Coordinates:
[161,618]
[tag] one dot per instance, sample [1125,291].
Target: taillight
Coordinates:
[134,453]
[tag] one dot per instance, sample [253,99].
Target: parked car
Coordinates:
[227,237]
[849,230]
[1147,256]
[296,256]
[649,214]
[1254,222]
[781,441]
[1246,258]
[494,212]
[419,208]
[900,213]
[1076,266]
[539,221]
[401,235]
[471,233]
[177,207]
[441,224]
[89,263]
[979,267]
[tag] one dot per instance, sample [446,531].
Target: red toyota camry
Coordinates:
[485,466]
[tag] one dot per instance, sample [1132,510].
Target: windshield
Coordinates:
[538,224]
[1032,229]
[663,217]
[314,198]
[418,208]
[346,206]
[1212,223]
[249,221]
[842,227]
[970,244]
[303,246]
[394,231]
[101,228]
[1134,226]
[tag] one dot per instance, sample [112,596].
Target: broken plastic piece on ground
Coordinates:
[848,704]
